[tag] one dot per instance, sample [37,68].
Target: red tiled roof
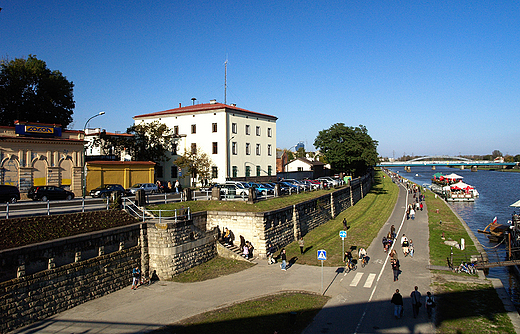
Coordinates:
[201,107]
[103,162]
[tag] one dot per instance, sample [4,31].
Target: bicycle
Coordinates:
[364,261]
[350,266]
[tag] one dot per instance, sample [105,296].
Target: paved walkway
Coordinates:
[360,300]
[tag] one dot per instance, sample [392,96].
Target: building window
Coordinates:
[174,148]
[176,130]
[159,172]
[257,170]
[234,127]
[300,169]
[248,130]
[214,172]
[269,170]
[269,150]
[194,148]
[173,172]
[269,132]
[214,127]
[235,171]
[257,149]
[248,149]
[258,131]
[248,171]
[194,128]
[234,148]
[215,147]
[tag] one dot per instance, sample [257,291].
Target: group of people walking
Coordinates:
[415,297]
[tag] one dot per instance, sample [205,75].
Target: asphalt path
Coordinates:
[360,300]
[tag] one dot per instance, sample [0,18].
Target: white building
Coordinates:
[93,148]
[240,143]
[304,165]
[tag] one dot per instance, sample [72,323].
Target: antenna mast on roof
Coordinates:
[225,81]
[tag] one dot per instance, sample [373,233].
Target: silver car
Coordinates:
[149,188]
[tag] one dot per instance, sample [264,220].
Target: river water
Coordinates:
[498,190]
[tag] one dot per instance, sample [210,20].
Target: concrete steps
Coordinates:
[235,250]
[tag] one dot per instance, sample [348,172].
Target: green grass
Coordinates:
[268,314]
[214,268]
[451,227]
[470,308]
[242,206]
[365,220]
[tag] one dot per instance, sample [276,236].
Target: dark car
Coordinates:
[106,190]
[47,193]
[9,194]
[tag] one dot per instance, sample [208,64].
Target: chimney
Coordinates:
[212,101]
[180,105]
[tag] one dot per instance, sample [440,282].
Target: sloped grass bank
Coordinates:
[18,232]
[280,313]
[464,304]
[365,220]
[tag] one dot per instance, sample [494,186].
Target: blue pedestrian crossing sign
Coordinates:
[322,255]
[342,234]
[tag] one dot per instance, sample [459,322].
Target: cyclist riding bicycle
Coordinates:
[362,254]
[348,260]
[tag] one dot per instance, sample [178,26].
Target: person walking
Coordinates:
[284,260]
[301,244]
[395,268]
[136,273]
[416,301]
[177,184]
[430,304]
[397,300]
[404,244]
[412,214]
[410,247]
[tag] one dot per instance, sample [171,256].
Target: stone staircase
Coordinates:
[232,252]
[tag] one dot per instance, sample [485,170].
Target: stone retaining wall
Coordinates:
[174,247]
[37,296]
[283,226]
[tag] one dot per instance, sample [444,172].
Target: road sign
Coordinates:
[342,234]
[322,255]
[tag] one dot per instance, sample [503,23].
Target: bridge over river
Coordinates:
[446,160]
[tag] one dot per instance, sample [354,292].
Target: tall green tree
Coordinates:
[347,149]
[301,153]
[29,91]
[151,141]
[197,163]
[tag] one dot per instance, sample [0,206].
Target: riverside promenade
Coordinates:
[360,300]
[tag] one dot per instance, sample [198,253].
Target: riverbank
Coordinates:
[463,300]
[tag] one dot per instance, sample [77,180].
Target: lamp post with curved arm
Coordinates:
[84,173]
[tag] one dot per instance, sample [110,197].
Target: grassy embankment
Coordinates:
[465,304]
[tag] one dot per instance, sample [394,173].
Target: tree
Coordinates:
[496,154]
[29,91]
[197,163]
[150,142]
[301,153]
[347,149]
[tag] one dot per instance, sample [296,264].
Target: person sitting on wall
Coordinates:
[225,237]
[136,274]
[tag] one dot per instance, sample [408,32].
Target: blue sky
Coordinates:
[424,77]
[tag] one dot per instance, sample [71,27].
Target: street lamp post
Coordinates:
[84,173]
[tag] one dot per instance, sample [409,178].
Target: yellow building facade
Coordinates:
[33,154]
[125,173]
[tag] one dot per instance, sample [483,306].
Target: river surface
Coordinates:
[498,190]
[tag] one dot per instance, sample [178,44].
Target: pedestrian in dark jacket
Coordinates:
[397,300]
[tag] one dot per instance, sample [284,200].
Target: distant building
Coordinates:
[94,147]
[33,154]
[241,143]
[302,165]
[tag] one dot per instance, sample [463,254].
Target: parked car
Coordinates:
[261,189]
[106,190]
[241,186]
[9,194]
[149,188]
[232,190]
[327,182]
[47,193]
[311,185]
